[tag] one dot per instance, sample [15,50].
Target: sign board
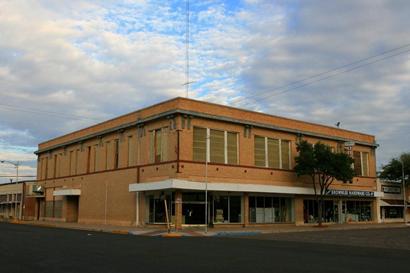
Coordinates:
[350,193]
[391,189]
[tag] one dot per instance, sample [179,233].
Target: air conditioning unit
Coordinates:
[38,189]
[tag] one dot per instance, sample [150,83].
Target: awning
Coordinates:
[230,187]
[391,203]
[67,192]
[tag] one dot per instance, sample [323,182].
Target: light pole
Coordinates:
[207,145]
[16,165]
[404,192]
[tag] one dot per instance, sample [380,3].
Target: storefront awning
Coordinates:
[391,203]
[67,192]
[231,187]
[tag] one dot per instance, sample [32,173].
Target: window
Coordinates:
[88,158]
[159,145]
[268,209]
[116,153]
[199,144]
[329,211]
[361,163]
[227,209]
[217,142]
[131,151]
[358,211]
[220,147]
[55,166]
[272,153]
[260,159]
[232,147]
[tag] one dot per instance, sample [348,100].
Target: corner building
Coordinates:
[154,164]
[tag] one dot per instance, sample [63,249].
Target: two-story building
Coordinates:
[155,164]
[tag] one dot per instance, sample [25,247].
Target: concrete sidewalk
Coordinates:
[199,231]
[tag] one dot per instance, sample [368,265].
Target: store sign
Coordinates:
[350,193]
[348,147]
[391,189]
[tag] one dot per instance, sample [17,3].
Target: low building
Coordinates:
[391,204]
[153,166]
[12,199]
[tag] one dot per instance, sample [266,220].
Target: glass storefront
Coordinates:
[358,211]
[351,211]
[156,207]
[392,212]
[193,208]
[227,209]
[329,211]
[269,209]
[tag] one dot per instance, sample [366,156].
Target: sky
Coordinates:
[65,65]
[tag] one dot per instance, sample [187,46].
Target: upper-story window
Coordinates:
[216,146]
[361,163]
[158,145]
[272,153]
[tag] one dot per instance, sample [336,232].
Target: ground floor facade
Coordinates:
[183,203]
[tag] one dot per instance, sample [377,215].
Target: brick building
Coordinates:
[141,167]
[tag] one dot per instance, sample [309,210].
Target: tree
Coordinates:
[393,169]
[323,167]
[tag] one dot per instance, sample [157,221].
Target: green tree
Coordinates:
[393,169]
[323,167]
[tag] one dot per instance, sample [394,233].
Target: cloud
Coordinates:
[85,61]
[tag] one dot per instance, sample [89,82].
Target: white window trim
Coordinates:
[266,153]
[280,154]
[208,145]
[226,147]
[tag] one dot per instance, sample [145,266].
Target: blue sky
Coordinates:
[65,65]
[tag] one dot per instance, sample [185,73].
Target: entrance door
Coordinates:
[72,209]
[193,208]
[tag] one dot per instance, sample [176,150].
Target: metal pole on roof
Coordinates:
[404,192]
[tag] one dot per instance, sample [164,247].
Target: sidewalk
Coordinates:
[199,231]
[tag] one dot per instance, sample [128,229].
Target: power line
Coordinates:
[335,71]
[43,112]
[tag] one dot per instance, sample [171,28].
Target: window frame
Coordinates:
[208,146]
[267,155]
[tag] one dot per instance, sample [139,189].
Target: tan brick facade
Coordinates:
[86,160]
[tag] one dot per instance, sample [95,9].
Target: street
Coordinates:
[38,249]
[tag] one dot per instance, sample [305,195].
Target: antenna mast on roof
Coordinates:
[187,83]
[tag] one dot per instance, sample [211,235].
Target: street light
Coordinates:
[404,192]
[16,165]
[207,145]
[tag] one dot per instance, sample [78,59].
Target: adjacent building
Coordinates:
[153,166]
[391,204]
[13,200]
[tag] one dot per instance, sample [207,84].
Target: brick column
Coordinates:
[178,210]
[245,209]
[299,211]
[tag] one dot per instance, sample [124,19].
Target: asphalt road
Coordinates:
[35,249]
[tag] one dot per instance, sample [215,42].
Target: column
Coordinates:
[245,209]
[178,210]
[299,219]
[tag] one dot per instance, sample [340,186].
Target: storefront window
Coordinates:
[227,209]
[358,211]
[329,211]
[266,209]
[157,211]
[393,212]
